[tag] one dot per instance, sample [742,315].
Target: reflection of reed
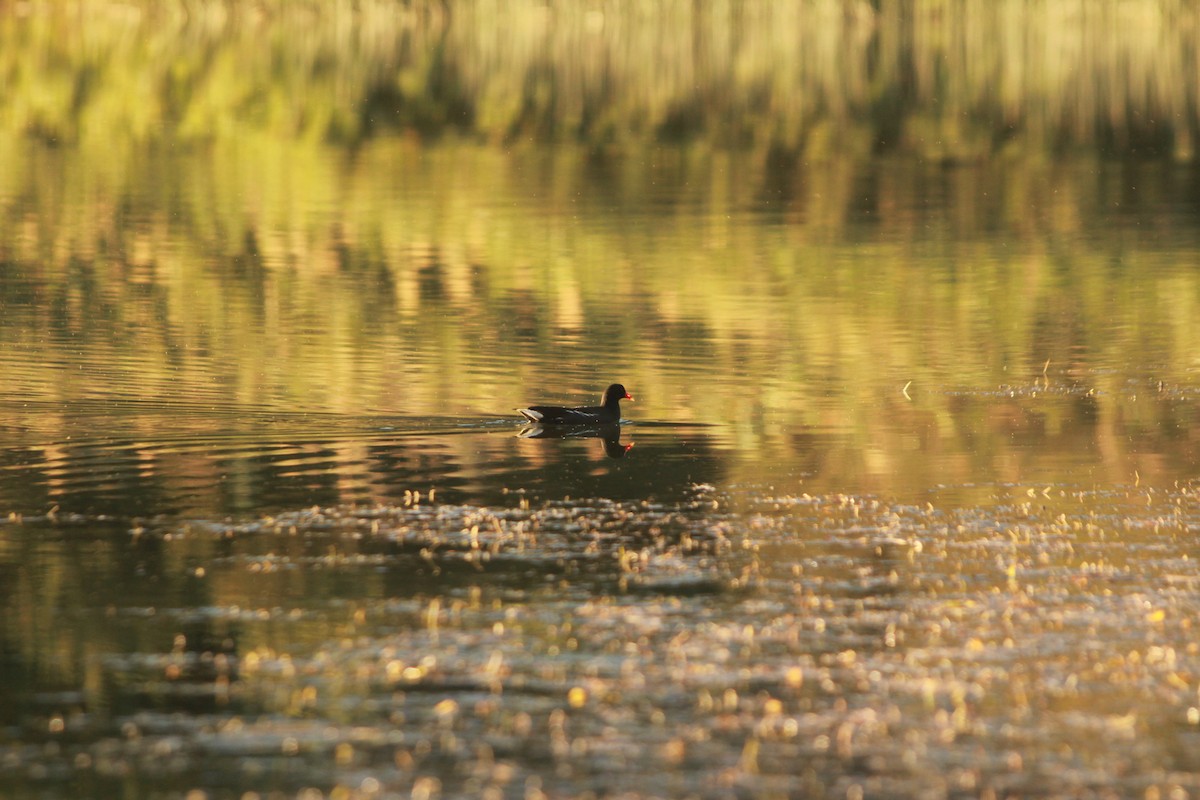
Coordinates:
[414,292]
[956,80]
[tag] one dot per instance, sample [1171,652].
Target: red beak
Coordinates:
[628,396]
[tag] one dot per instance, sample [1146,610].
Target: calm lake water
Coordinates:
[906,504]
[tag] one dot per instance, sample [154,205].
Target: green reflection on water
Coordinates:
[463,280]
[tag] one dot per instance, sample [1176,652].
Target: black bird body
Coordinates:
[607,413]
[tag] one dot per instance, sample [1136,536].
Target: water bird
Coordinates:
[607,413]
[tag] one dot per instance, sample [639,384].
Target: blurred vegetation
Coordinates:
[940,80]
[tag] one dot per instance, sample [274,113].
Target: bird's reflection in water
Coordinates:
[610,435]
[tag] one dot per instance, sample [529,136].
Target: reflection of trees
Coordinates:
[841,308]
[775,329]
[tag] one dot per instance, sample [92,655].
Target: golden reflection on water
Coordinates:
[948,323]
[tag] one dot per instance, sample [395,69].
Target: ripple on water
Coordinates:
[873,642]
[146,461]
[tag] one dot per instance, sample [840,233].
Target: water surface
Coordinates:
[905,505]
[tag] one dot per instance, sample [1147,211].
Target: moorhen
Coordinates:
[607,413]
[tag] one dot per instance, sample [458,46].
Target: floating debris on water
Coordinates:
[753,641]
